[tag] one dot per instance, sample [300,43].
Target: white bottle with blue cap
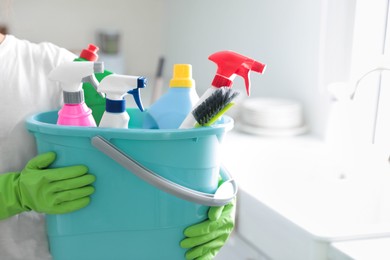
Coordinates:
[116,87]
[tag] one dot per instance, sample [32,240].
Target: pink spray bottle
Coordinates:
[230,64]
[71,76]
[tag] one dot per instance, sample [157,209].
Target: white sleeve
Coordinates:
[25,90]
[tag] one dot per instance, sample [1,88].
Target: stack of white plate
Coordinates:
[271,117]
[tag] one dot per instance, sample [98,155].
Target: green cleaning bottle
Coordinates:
[94,100]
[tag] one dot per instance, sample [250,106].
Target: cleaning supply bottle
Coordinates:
[94,100]
[169,111]
[70,75]
[116,87]
[230,64]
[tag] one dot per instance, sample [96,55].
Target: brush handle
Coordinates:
[190,121]
[161,183]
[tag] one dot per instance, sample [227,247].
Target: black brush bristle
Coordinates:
[213,104]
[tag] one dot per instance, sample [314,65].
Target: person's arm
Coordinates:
[2,37]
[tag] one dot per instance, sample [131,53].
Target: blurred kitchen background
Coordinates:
[306,44]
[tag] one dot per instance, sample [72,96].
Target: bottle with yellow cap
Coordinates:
[169,111]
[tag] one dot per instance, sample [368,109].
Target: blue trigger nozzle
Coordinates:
[141,83]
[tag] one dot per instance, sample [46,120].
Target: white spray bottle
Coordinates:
[116,87]
[71,75]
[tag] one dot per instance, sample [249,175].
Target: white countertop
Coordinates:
[254,160]
[369,249]
[267,166]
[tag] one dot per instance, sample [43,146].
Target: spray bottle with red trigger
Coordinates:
[94,100]
[230,64]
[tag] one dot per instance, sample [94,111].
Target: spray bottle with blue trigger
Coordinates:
[116,87]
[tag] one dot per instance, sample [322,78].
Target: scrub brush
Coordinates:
[213,107]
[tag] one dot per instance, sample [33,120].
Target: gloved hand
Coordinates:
[52,191]
[207,238]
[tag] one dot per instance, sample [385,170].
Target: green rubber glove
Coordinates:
[207,238]
[51,191]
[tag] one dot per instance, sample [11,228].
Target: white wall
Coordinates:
[289,36]
[73,24]
[371,29]
[304,43]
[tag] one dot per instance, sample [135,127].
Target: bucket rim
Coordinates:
[33,124]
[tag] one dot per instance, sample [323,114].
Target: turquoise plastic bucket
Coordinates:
[128,217]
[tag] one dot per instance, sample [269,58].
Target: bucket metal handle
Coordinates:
[164,184]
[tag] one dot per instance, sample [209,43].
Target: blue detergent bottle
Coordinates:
[169,111]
